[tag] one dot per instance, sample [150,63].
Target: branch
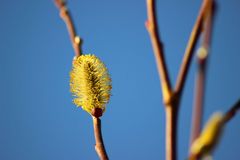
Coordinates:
[199,99]
[171,131]
[232,111]
[201,75]
[170,100]
[66,17]
[99,147]
[152,27]
[181,79]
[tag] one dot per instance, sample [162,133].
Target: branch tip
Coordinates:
[99,146]
[60,3]
[66,17]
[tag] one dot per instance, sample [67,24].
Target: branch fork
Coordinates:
[172,97]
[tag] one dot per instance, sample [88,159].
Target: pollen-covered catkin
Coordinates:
[210,135]
[90,83]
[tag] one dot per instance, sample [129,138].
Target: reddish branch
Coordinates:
[198,102]
[232,111]
[66,16]
[201,75]
[99,146]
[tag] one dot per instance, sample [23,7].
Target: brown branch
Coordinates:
[152,27]
[232,111]
[171,131]
[201,75]
[181,79]
[99,146]
[172,100]
[198,103]
[171,104]
[66,16]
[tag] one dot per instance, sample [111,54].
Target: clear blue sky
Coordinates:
[38,120]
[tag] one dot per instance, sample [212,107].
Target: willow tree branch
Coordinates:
[181,79]
[170,101]
[66,17]
[201,75]
[199,99]
[232,111]
[152,27]
[99,146]
[171,130]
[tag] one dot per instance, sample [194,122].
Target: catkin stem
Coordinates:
[99,146]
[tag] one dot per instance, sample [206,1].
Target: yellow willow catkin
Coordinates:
[90,83]
[210,135]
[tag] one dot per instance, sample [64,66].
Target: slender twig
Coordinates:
[181,79]
[232,111]
[198,102]
[99,146]
[66,16]
[201,75]
[152,27]
[170,101]
[171,131]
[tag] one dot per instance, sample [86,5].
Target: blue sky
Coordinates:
[37,117]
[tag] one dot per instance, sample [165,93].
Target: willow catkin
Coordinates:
[209,137]
[90,83]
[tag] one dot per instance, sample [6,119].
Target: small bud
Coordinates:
[202,53]
[77,40]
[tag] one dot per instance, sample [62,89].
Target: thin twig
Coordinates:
[232,111]
[171,131]
[198,102]
[66,16]
[181,79]
[152,27]
[170,101]
[201,75]
[99,146]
